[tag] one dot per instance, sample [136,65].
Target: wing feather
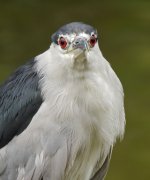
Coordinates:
[101,173]
[20,99]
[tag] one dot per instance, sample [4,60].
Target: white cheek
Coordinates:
[56,48]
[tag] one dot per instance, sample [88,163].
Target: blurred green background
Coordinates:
[124,28]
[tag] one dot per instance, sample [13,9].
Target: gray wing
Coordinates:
[20,99]
[101,173]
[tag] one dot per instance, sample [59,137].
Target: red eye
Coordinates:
[93,41]
[62,42]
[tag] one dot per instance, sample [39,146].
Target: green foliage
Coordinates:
[124,36]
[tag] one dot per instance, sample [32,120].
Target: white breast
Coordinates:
[79,120]
[88,105]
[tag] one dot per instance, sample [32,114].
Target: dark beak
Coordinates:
[80,43]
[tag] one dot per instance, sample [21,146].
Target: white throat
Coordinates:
[88,102]
[96,87]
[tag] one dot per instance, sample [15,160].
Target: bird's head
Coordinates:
[75,43]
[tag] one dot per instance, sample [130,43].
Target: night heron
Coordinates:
[61,113]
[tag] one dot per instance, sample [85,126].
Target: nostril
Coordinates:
[77,42]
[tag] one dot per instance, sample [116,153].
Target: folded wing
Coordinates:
[20,99]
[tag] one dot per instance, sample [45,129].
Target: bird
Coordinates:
[62,111]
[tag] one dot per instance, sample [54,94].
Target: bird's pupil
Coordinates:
[93,41]
[62,42]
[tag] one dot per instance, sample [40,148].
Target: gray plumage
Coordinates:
[101,173]
[61,113]
[75,27]
[20,99]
